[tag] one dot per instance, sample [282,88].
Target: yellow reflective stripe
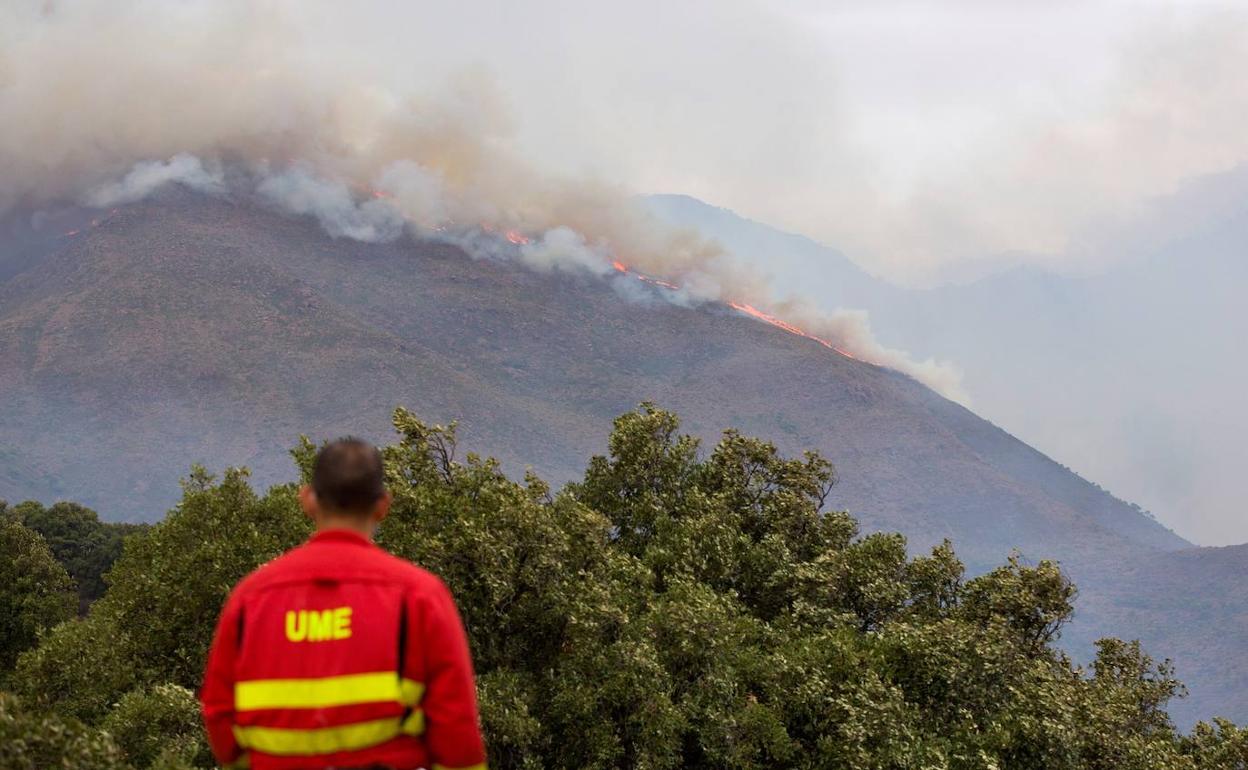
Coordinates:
[481,766]
[325,692]
[410,692]
[414,724]
[290,742]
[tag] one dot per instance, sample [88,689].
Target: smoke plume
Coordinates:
[117,99]
[299,191]
[148,176]
[853,331]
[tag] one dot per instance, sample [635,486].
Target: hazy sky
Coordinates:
[922,138]
[928,140]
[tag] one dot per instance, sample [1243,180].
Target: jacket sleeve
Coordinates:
[217,695]
[452,725]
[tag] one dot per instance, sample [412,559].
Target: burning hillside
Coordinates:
[749,310]
[237,110]
[213,313]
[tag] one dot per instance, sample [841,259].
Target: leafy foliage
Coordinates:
[35,591]
[159,725]
[1220,745]
[674,608]
[40,741]
[80,669]
[86,546]
[156,621]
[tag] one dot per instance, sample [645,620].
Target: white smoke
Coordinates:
[417,193]
[852,331]
[299,191]
[149,176]
[207,84]
[562,248]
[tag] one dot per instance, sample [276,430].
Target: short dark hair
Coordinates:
[348,476]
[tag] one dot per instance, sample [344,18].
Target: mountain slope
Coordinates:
[1189,605]
[188,329]
[1132,376]
[189,314]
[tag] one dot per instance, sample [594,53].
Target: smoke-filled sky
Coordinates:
[930,141]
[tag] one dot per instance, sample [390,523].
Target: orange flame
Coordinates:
[741,307]
[518,238]
[754,312]
[749,310]
[623,268]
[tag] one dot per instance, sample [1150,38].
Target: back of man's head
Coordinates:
[347,476]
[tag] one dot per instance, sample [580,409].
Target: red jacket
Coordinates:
[338,654]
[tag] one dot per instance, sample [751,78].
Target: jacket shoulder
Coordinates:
[372,564]
[265,573]
[412,575]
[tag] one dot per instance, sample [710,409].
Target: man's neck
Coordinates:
[350,523]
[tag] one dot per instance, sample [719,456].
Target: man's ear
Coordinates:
[307,501]
[382,507]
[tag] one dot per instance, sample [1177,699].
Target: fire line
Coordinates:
[518,238]
[740,307]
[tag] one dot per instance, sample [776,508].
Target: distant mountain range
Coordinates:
[189,329]
[1133,376]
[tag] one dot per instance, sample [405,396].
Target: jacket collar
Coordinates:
[339,536]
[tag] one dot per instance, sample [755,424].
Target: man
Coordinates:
[338,655]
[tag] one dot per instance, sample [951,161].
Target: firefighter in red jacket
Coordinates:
[337,654]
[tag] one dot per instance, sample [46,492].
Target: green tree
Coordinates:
[1217,746]
[80,669]
[39,741]
[86,546]
[159,724]
[1125,709]
[1031,604]
[35,590]
[154,624]
[674,608]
